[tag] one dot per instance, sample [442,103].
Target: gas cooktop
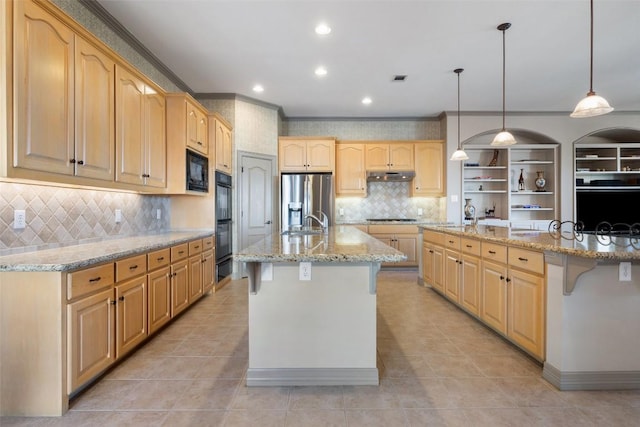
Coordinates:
[392,219]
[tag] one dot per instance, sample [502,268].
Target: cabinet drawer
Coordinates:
[92,279]
[433,237]
[452,242]
[207,243]
[179,252]
[495,252]
[130,267]
[159,258]
[470,246]
[392,229]
[526,260]
[195,247]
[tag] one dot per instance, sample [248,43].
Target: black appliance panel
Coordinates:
[197,172]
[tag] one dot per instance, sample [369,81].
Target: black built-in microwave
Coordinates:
[197,172]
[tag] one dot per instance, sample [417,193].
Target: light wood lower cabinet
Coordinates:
[131,314]
[401,237]
[159,298]
[208,270]
[494,296]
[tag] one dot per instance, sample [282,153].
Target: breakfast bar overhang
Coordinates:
[312,308]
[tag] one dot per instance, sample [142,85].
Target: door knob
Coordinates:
[268,222]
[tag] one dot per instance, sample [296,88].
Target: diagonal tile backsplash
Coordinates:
[60,216]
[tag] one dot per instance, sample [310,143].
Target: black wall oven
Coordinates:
[224,250]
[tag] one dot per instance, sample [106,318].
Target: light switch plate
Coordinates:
[305,271]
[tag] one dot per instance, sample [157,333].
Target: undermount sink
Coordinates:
[302,232]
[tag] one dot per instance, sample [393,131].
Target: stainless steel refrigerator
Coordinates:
[304,194]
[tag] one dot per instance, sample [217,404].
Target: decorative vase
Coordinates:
[521,181]
[540,181]
[469,210]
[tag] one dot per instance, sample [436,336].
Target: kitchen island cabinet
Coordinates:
[312,308]
[401,237]
[85,307]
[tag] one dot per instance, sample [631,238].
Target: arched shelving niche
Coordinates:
[491,179]
[607,176]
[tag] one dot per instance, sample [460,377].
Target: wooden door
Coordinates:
[159,307]
[91,337]
[130,123]
[470,292]
[376,157]
[179,287]
[321,156]
[44,91]
[155,136]
[526,311]
[452,274]
[95,112]
[493,308]
[401,157]
[195,278]
[131,317]
[351,177]
[429,167]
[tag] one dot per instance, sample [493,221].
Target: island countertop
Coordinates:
[341,244]
[576,244]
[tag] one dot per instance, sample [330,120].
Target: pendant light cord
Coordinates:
[591,92]
[504,68]
[458,72]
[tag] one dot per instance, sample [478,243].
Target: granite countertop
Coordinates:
[417,222]
[581,245]
[342,243]
[72,257]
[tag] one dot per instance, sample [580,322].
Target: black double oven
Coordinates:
[224,259]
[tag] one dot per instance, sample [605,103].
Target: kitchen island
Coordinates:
[588,301]
[312,307]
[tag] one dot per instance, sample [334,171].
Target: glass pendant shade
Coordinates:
[590,106]
[459,154]
[502,139]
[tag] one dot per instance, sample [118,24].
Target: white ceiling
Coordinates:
[227,46]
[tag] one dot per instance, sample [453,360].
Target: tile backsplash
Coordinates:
[390,200]
[60,216]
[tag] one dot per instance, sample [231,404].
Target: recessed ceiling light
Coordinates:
[323,29]
[321,71]
[258,88]
[366,100]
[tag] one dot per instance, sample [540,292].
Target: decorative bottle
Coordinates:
[540,181]
[521,181]
[469,210]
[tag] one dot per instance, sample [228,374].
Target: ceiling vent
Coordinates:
[399,78]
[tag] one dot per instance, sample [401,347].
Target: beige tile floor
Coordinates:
[438,367]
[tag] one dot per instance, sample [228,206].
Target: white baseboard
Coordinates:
[585,380]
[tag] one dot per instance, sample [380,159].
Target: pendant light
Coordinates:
[459,154]
[592,105]
[504,137]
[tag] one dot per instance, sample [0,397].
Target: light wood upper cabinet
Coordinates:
[306,154]
[140,131]
[197,128]
[223,142]
[430,169]
[351,179]
[386,156]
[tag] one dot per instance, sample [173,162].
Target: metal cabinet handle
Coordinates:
[95,279]
[121,298]
[133,267]
[523,259]
[160,258]
[508,280]
[492,252]
[80,162]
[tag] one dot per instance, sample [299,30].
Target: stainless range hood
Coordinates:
[390,176]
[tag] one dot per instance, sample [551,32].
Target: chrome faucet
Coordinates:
[324,222]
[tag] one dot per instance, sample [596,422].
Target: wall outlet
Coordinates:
[305,271]
[118,215]
[419,211]
[19,218]
[341,212]
[624,272]
[158,213]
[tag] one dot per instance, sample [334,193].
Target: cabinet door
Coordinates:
[179,287]
[155,146]
[429,166]
[95,113]
[321,156]
[223,147]
[408,245]
[452,274]
[401,157]
[196,129]
[526,311]
[427,264]
[350,171]
[493,309]
[377,157]
[470,292]
[131,318]
[130,122]
[159,306]
[195,278]
[292,156]
[208,270]
[438,268]
[91,337]
[44,91]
